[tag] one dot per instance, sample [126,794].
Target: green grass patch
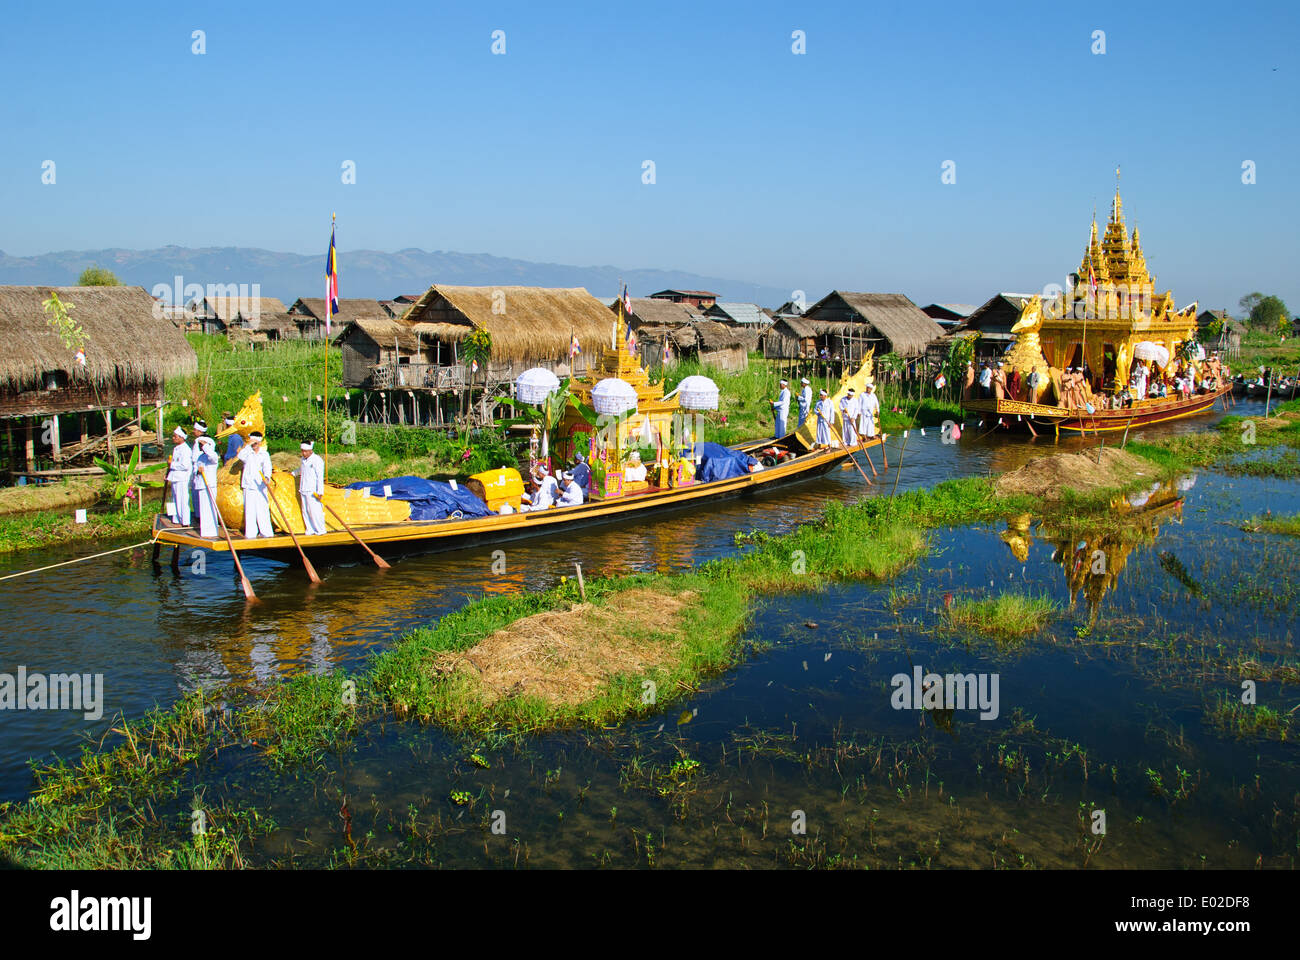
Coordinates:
[54,527]
[1006,615]
[1245,721]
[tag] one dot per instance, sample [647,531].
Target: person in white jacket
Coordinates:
[180,471]
[254,482]
[849,418]
[572,494]
[311,487]
[205,486]
[868,409]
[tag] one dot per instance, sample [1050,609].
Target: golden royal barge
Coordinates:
[383,525]
[1102,333]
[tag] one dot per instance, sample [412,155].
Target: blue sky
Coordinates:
[805,171]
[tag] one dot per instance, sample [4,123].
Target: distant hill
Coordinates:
[363,273]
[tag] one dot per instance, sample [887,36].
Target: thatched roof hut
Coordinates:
[219,313]
[529,326]
[309,314]
[856,322]
[710,342]
[650,312]
[129,350]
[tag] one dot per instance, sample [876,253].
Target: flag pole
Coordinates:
[329,316]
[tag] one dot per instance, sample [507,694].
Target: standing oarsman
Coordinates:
[986,381]
[180,470]
[848,418]
[781,409]
[311,487]
[868,407]
[205,485]
[968,385]
[235,441]
[805,400]
[254,482]
[200,428]
[825,417]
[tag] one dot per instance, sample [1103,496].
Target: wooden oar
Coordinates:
[864,449]
[854,461]
[284,519]
[243,579]
[379,561]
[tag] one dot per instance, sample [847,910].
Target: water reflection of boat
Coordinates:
[1093,562]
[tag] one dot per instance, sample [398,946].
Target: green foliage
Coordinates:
[122,479]
[60,318]
[1266,312]
[98,276]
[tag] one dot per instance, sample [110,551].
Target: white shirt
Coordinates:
[546,492]
[783,401]
[849,407]
[311,475]
[868,405]
[805,398]
[257,467]
[825,411]
[182,463]
[572,495]
[205,472]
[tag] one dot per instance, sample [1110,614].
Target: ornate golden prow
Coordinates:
[1026,354]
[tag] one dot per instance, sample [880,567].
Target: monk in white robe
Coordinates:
[180,473]
[205,486]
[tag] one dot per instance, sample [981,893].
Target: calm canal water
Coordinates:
[805,724]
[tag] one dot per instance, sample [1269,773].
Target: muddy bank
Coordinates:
[1051,477]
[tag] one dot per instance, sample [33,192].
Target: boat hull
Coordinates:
[1018,414]
[404,538]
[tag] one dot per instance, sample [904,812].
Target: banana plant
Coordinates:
[123,479]
[545,417]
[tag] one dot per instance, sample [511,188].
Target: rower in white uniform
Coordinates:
[253,482]
[205,486]
[311,487]
[825,417]
[805,400]
[572,495]
[547,488]
[781,409]
[848,418]
[868,408]
[180,471]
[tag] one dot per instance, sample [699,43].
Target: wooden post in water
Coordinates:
[582,587]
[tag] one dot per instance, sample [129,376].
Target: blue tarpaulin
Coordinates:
[720,463]
[429,499]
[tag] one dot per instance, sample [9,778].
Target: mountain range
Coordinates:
[362,273]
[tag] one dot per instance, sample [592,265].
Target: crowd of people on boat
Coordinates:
[192,481]
[1079,389]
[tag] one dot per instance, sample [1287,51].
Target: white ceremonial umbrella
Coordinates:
[613,396]
[535,385]
[698,393]
[1151,352]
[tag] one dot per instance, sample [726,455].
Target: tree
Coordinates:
[1249,302]
[1266,313]
[98,276]
[476,349]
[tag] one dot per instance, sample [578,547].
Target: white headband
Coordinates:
[178,432]
[308,444]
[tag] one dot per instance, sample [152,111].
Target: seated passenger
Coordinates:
[547,488]
[572,495]
[634,470]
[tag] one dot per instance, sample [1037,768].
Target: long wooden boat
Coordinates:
[1018,414]
[408,536]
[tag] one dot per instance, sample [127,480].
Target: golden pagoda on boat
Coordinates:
[647,421]
[1075,353]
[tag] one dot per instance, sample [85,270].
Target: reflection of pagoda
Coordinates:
[1092,564]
